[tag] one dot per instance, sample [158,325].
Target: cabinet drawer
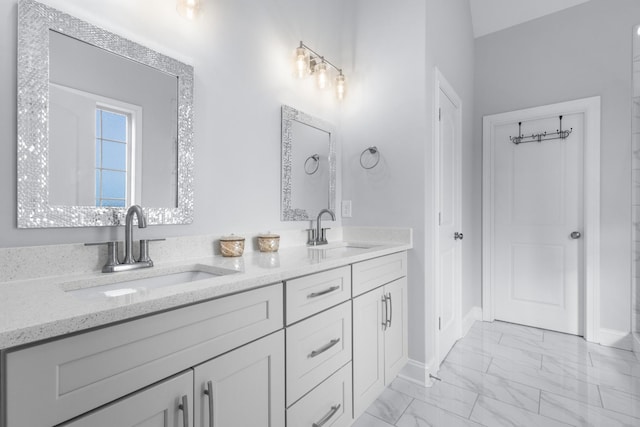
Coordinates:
[157,405]
[311,294]
[316,348]
[329,402]
[376,272]
[81,372]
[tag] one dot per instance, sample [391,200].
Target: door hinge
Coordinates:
[439,114]
[439,218]
[439,323]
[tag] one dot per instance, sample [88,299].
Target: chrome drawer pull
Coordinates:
[209,392]
[326,347]
[327,417]
[390,310]
[385,320]
[184,407]
[326,291]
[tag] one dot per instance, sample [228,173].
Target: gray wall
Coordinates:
[395,47]
[577,53]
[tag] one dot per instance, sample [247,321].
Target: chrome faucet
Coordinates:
[129,263]
[128,231]
[319,237]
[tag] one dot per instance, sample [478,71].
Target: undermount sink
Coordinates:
[144,284]
[341,245]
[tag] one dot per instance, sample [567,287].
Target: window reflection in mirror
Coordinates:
[105,111]
[112,146]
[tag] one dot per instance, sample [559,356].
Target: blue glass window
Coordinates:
[112,130]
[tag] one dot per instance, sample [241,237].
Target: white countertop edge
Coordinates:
[57,313]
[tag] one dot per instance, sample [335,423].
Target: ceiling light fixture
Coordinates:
[309,62]
[188,8]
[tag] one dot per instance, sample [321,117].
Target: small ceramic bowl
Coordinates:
[232,245]
[268,242]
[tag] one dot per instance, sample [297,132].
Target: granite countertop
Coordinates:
[43,308]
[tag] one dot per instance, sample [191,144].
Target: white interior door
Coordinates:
[449,219]
[537,205]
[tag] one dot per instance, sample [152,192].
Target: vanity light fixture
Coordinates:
[309,62]
[188,8]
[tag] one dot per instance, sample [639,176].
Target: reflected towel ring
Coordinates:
[309,169]
[373,158]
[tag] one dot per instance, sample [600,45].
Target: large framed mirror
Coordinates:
[308,165]
[103,123]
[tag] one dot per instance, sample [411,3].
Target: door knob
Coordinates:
[458,236]
[575,235]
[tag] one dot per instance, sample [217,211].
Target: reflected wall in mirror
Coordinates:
[103,123]
[308,165]
[635,183]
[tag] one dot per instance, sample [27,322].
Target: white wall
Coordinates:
[395,47]
[241,52]
[579,52]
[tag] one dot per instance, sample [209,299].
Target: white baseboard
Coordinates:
[418,372]
[618,339]
[470,318]
[636,343]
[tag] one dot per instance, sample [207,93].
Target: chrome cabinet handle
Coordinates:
[209,392]
[386,313]
[327,417]
[575,235]
[184,407]
[326,291]
[324,348]
[390,310]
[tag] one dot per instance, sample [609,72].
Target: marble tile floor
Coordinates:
[502,374]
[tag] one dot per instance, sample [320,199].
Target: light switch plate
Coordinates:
[346,209]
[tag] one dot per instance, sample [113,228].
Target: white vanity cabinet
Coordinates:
[380,347]
[316,350]
[244,387]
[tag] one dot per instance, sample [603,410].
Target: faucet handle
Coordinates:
[144,250]
[112,254]
[311,236]
[323,234]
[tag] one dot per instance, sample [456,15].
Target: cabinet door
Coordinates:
[368,349]
[162,405]
[244,387]
[395,336]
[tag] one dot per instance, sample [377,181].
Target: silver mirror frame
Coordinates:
[34,211]
[289,115]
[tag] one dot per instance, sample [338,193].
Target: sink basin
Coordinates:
[345,246]
[143,285]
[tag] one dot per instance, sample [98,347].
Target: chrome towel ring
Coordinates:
[370,157]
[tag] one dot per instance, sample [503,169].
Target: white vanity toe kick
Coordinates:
[40,309]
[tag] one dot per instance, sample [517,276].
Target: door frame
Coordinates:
[590,107]
[441,84]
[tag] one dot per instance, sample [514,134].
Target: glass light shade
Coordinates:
[301,62]
[188,8]
[322,74]
[341,86]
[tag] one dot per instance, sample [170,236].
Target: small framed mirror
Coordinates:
[103,123]
[308,165]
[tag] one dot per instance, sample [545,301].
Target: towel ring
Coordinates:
[373,154]
[311,168]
